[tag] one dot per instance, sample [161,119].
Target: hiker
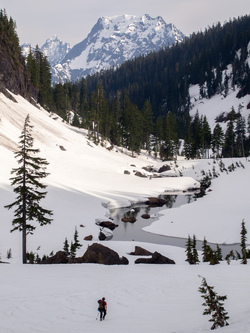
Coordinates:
[102,308]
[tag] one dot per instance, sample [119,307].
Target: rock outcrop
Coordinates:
[100,254]
[59,258]
[139,251]
[156,258]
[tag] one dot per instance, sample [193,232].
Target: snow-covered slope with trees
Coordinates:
[84,181]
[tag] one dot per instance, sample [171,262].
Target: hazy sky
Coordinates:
[72,20]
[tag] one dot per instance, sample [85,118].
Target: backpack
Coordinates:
[101,304]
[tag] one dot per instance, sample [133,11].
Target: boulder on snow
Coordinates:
[59,258]
[155,202]
[108,224]
[156,258]
[139,174]
[100,254]
[105,234]
[164,168]
[88,238]
[140,251]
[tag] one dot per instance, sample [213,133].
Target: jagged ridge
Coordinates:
[111,41]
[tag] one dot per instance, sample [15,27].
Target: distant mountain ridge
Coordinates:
[111,41]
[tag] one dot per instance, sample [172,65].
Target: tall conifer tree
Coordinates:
[243,242]
[28,187]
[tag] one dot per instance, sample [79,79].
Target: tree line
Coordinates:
[153,91]
[164,77]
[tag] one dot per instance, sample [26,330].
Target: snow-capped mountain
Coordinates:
[111,41]
[54,49]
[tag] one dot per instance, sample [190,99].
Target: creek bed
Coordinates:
[127,231]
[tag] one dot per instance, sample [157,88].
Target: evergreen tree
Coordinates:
[192,254]
[66,246]
[243,242]
[214,305]
[205,251]
[72,250]
[206,137]
[217,140]
[189,251]
[83,102]
[60,100]
[240,136]
[40,75]
[116,132]
[197,141]
[218,253]
[147,124]
[28,187]
[195,253]
[132,125]
[188,140]
[170,139]
[77,244]
[159,134]
[229,145]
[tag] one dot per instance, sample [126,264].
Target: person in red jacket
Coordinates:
[102,308]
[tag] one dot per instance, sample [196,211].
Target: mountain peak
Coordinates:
[111,41]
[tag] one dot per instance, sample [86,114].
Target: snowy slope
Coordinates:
[84,181]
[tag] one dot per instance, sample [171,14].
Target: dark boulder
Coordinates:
[148,169]
[59,258]
[139,251]
[100,254]
[155,202]
[88,238]
[139,174]
[156,258]
[145,216]
[108,224]
[102,236]
[130,219]
[164,168]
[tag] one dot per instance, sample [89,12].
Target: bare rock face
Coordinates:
[14,75]
[100,254]
[156,258]
[139,251]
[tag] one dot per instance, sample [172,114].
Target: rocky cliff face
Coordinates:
[13,74]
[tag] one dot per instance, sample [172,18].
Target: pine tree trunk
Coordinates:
[24,243]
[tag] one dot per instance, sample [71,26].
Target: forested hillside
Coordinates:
[150,95]
[13,74]
[145,103]
[31,78]
[164,77]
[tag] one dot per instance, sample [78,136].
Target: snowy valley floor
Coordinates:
[141,298]
[84,182]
